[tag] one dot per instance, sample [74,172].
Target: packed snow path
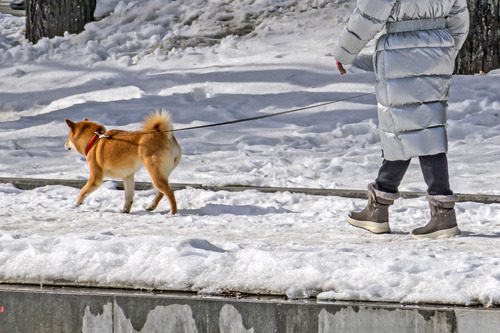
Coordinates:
[282,243]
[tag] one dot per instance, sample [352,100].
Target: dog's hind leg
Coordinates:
[171,198]
[152,206]
[162,185]
[129,185]
[160,181]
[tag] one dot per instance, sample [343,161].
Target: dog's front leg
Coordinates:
[129,185]
[92,184]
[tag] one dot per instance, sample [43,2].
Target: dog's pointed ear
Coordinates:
[70,123]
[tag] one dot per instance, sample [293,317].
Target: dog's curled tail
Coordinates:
[160,121]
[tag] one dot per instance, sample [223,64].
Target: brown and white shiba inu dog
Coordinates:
[119,154]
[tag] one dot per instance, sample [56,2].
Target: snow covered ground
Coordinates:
[197,59]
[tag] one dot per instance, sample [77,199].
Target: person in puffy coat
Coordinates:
[413,62]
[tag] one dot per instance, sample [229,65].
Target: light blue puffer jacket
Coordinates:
[414,60]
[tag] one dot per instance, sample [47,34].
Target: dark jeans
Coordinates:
[434,168]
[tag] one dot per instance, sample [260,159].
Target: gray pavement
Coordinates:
[5,8]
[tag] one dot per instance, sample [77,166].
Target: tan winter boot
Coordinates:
[375,216]
[443,223]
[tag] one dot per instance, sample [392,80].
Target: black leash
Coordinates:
[271,114]
[122,135]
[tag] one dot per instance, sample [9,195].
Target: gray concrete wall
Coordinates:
[26,309]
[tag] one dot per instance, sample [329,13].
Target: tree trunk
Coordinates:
[481,51]
[50,18]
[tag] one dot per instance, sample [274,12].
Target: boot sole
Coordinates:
[446,233]
[373,227]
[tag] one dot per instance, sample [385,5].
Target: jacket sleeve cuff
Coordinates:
[342,55]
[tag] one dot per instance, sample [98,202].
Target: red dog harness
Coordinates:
[97,136]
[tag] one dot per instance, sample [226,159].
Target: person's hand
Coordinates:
[341,68]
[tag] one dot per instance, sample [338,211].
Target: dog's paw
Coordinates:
[125,211]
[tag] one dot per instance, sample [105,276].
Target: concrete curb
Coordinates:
[31,183]
[43,310]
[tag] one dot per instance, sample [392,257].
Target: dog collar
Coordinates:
[97,136]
